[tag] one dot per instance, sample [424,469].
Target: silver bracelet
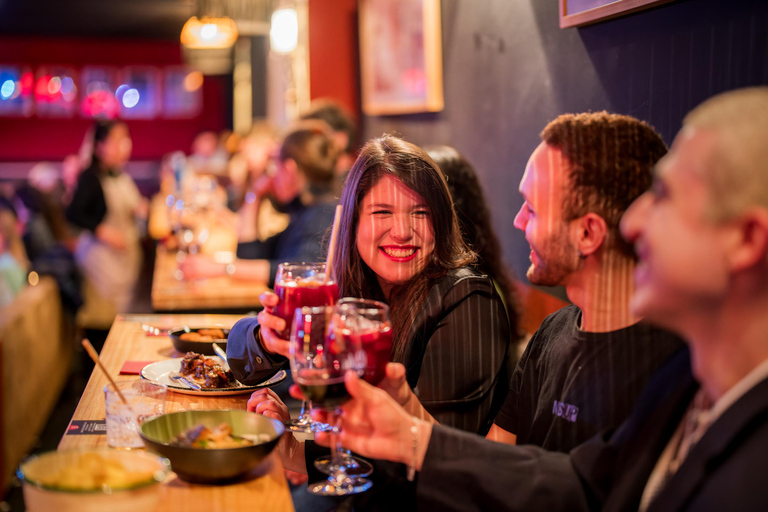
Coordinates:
[411,472]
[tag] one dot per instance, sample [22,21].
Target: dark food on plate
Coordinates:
[205,369]
[201,436]
[203,335]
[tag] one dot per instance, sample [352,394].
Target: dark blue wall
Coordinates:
[509,69]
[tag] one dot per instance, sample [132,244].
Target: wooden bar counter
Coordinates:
[172,294]
[265,489]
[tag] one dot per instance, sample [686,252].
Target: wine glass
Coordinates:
[364,323]
[320,356]
[302,285]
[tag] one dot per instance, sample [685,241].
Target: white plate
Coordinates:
[161,370]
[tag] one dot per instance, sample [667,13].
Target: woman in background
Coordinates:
[105,206]
[476,226]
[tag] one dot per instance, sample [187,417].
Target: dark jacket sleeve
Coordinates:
[88,207]
[247,359]
[262,250]
[464,472]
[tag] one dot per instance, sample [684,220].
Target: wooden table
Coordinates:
[171,294]
[127,341]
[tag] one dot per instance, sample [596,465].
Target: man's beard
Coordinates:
[557,260]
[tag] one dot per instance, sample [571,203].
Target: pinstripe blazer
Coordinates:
[457,360]
[459,344]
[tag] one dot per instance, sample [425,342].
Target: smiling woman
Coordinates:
[399,242]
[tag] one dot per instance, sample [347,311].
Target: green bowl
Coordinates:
[202,465]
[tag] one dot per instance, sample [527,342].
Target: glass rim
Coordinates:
[301,264]
[108,387]
[361,304]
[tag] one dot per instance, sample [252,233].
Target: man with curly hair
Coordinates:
[586,365]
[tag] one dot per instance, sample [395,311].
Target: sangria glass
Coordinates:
[364,323]
[301,285]
[319,359]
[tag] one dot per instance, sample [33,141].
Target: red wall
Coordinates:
[35,138]
[333,61]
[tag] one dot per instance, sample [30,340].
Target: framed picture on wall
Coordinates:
[577,13]
[401,63]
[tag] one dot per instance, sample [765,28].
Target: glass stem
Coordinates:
[336,459]
[303,413]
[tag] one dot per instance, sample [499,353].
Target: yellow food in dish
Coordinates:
[94,472]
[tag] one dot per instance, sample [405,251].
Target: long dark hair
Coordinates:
[392,156]
[475,223]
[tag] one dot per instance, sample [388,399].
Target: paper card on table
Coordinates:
[133,367]
[87,427]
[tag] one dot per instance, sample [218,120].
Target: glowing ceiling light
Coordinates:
[6,90]
[284,34]
[209,33]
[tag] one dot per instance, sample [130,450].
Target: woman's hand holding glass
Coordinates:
[270,324]
[266,402]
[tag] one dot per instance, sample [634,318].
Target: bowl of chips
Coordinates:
[93,480]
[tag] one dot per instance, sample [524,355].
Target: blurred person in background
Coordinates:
[208,156]
[302,187]
[344,128]
[71,167]
[476,226]
[41,199]
[13,263]
[105,207]
[249,185]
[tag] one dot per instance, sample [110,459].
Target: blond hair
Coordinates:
[738,165]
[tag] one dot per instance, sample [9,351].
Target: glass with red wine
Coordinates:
[366,324]
[301,285]
[320,355]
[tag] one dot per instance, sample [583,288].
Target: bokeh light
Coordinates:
[209,31]
[193,81]
[54,85]
[6,90]
[67,85]
[284,33]
[130,98]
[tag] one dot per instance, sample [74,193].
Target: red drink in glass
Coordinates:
[302,292]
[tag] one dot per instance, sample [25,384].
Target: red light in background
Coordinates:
[26,80]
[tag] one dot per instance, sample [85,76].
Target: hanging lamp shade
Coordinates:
[209,33]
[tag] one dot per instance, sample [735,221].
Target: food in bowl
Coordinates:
[92,471]
[199,339]
[204,335]
[205,371]
[93,480]
[220,436]
[212,465]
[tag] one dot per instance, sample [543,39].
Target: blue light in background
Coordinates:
[6,90]
[130,98]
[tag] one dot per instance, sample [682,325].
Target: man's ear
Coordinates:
[750,246]
[592,233]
